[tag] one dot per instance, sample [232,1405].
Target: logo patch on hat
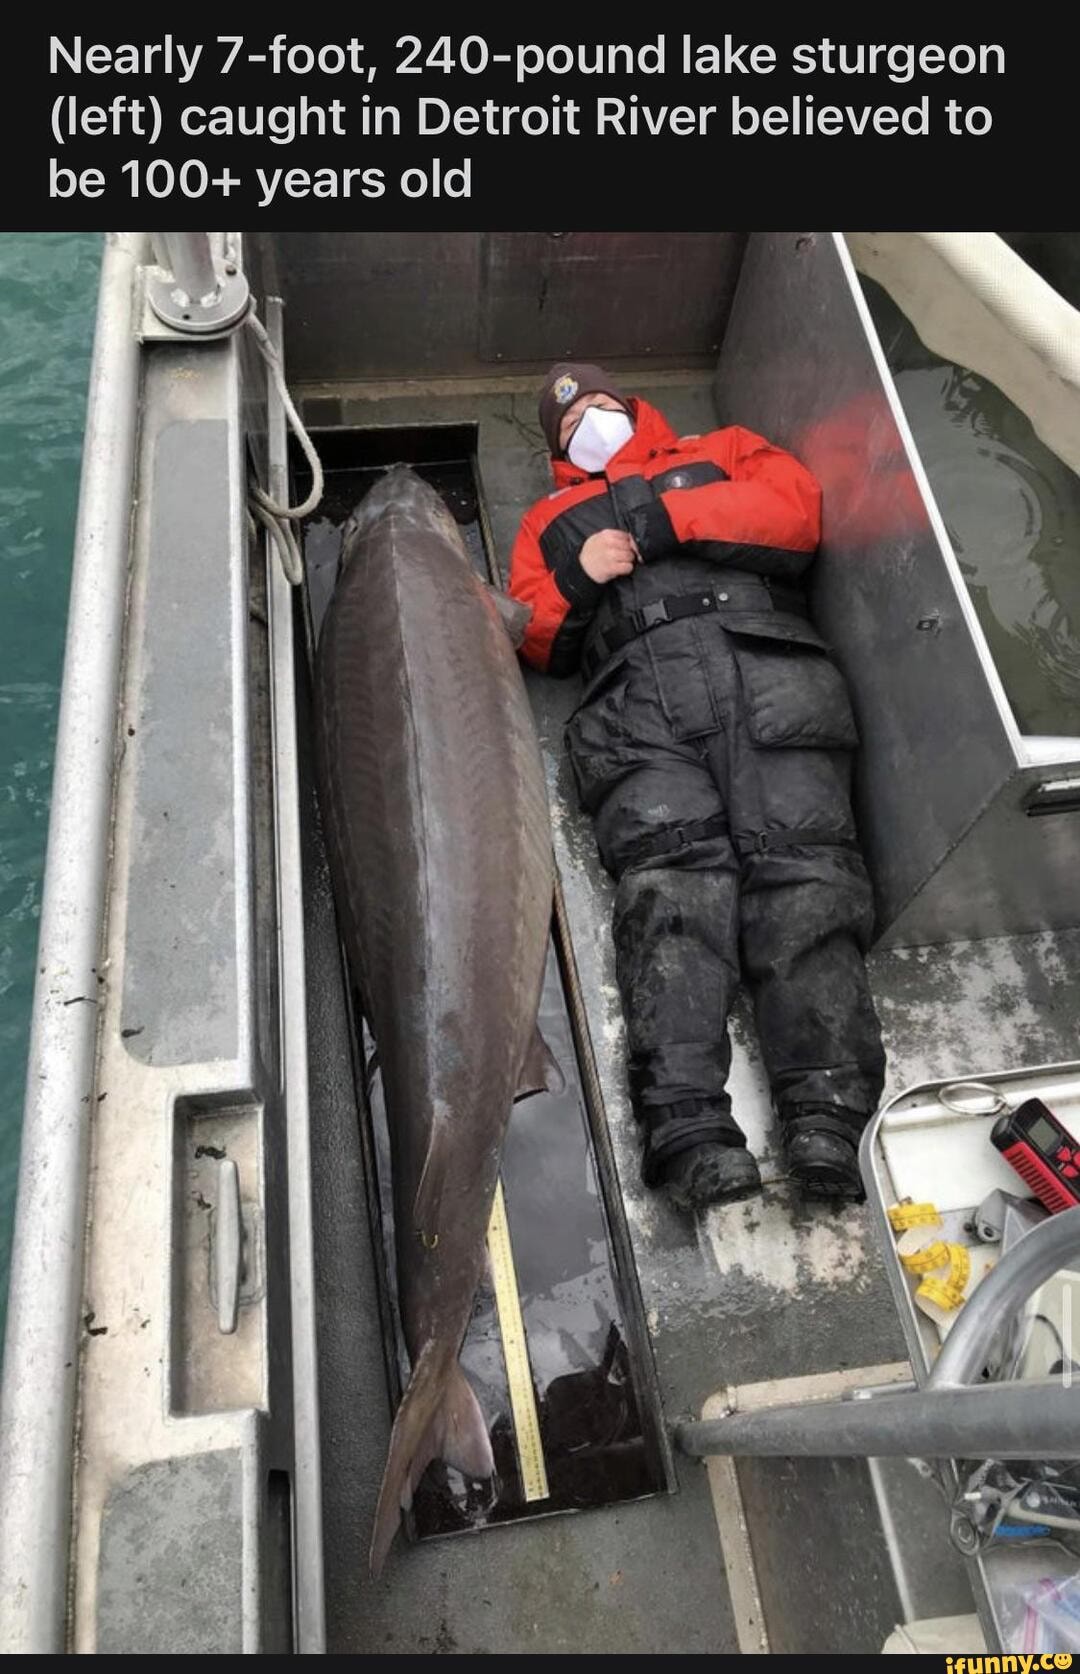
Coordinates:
[565,389]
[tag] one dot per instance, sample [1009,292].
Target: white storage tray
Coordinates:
[917,1147]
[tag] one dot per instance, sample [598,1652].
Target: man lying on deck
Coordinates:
[713,748]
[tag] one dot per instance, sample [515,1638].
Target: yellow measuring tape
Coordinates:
[907,1214]
[949,1292]
[530,1449]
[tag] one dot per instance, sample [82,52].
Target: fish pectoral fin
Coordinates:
[463,1439]
[515,615]
[429,1193]
[540,1071]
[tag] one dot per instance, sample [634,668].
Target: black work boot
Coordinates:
[709,1173]
[821,1151]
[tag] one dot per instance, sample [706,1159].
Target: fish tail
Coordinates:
[439,1418]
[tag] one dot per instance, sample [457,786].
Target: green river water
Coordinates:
[48,286]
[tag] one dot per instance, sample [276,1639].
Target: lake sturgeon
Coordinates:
[436,814]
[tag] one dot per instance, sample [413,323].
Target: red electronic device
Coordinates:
[1043,1153]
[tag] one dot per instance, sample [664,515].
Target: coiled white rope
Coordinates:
[276,519]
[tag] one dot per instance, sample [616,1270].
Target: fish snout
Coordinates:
[399,492]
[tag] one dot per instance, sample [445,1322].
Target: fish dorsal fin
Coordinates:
[429,1193]
[539,1071]
[514,615]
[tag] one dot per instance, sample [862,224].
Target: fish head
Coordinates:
[403,495]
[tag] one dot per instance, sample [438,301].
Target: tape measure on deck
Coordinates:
[530,1449]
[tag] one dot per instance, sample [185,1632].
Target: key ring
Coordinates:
[998,1105]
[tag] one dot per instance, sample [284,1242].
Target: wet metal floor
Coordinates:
[754,1291]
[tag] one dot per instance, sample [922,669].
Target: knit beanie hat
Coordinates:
[563,385]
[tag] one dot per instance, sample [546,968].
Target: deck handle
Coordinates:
[228,1245]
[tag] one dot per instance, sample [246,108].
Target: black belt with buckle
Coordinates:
[676,607]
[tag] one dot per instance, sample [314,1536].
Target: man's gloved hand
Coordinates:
[642,511]
[607,554]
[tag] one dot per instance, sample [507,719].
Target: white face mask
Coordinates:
[599,435]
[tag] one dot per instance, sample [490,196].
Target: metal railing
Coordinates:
[952,1416]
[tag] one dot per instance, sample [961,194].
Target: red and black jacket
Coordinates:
[726,499]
